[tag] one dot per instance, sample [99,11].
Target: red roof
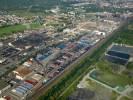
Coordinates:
[7,97]
[33,82]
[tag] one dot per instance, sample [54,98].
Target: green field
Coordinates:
[5,31]
[130,27]
[100,90]
[111,79]
[124,98]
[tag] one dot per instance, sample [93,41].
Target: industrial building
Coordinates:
[119,54]
[47,53]
[29,41]
[23,89]
[37,77]
[7,52]
[22,72]
[46,56]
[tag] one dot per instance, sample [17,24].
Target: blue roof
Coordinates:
[26,86]
[119,54]
[19,89]
[116,60]
[42,57]
[23,88]
[84,44]
[124,49]
[19,92]
[85,41]
[61,46]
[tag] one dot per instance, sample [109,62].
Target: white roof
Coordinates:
[37,77]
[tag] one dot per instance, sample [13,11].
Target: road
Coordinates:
[51,83]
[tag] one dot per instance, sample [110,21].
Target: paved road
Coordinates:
[125,93]
[54,81]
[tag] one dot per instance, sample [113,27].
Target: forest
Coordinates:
[26,4]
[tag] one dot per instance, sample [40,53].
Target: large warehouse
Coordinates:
[119,54]
[22,72]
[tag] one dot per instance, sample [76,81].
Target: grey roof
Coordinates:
[121,48]
[3,84]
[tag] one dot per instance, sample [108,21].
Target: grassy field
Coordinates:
[26,13]
[130,27]
[100,91]
[111,79]
[130,66]
[5,31]
[124,98]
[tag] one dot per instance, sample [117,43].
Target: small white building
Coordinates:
[2,60]
[99,33]
[1,44]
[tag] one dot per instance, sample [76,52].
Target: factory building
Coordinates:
[119,54]
[45,58]
[22,72]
